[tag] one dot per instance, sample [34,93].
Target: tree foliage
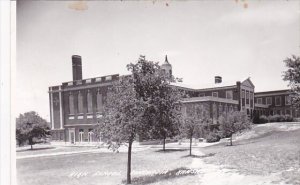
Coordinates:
[153,86]
[232,123]
[292,75]
[193,120]
[31,127]
[122,120]
[136,105]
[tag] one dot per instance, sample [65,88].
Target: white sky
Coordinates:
[201,38]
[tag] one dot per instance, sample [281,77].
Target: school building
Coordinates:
[75,106]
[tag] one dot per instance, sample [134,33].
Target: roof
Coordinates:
[207,86]
[204,86]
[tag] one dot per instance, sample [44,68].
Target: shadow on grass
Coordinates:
[199,156]
[176,173]
[171,150]
[35,149]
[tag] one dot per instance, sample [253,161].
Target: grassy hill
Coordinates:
[267,149]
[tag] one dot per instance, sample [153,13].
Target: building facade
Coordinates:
[75,106]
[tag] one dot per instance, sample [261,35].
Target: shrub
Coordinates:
[289,118]
[212,137]
[280,118]
[296,119]
[263,119]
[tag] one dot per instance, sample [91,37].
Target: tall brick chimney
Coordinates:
[77,67]
[218,79]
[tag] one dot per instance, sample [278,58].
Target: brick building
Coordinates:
[75,106]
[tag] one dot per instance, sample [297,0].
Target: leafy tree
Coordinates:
[153,86]
[193,121]
[122,119]
[30,127]
[233,122]
[292,75]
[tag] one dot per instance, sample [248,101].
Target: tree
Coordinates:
[232,123]
[292,75]
[193,120]
[153,85]
[31,127]
[132,106]
[122,119]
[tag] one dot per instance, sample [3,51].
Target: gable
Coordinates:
[248,83]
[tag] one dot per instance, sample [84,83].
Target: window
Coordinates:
[251,95]
[89,102]
[108,78]
[80,135]
[90,135]
[80,103]
[215,94]
[277,100]
[287,112]
[99,102]
[220,109]
[71,103]
[259,100]
[243,94]
[247,97]
[269,101]
[201,94]
[229,95]
[287,100]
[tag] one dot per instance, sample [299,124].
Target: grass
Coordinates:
[268,151]
[272,152]
[101,168]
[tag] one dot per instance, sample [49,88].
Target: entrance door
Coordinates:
[72,135]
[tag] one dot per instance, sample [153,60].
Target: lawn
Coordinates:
[272,151]
[266,151]
[102,168]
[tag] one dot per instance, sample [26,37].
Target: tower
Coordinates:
[167,67]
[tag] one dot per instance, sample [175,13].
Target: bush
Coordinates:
[212,137]
[280,118]
[289,118]
[296,119]
[263,119]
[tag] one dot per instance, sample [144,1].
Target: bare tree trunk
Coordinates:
[191,139]
[231,140]
[129,163]
[30,142]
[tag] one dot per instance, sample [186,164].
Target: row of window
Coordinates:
[89,138]
[277,101]
[278,112]
[89,99]
[229,94]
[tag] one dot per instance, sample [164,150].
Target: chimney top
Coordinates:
[218,79]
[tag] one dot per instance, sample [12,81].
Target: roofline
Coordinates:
[273,91]
[206,89]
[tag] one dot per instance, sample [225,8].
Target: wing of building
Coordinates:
[76,106]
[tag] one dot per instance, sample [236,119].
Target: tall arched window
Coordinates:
[89,102]
[99,102]
[71,103]
[80,102]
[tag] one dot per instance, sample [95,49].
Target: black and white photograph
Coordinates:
[155,92]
